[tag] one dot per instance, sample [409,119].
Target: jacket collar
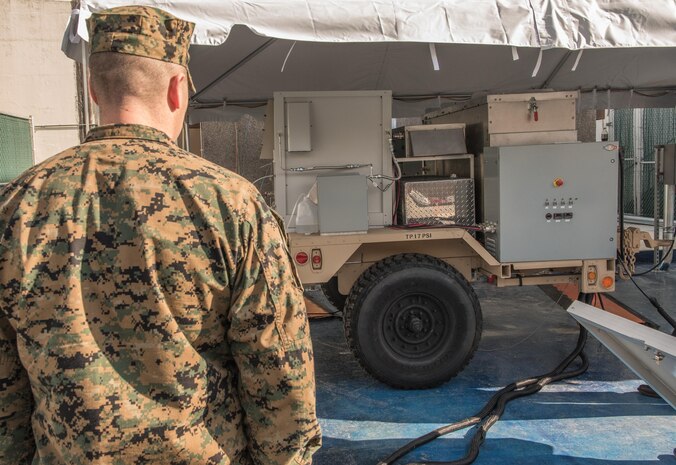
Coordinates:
[127,131]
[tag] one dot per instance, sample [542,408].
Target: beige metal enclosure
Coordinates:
[324,133]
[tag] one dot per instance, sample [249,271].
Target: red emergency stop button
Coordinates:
[558,182]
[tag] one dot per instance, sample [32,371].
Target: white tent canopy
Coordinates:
[618,53]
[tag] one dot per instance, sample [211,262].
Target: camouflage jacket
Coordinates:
[149,313]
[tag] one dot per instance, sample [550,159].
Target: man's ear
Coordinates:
[176,90]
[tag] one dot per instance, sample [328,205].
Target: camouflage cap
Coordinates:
[142,31]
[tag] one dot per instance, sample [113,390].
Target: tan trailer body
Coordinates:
[348,256]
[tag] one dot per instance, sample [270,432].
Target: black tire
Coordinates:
[333,295]
[412,321]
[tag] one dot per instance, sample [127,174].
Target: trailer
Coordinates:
[392,231]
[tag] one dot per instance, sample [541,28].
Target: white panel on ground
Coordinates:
[651,354]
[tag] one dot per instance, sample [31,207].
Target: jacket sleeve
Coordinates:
[17,445]
[270,341]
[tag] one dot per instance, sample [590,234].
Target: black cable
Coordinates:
[491,406]
[658,264]
[480,435]
[654,302]
[494,408]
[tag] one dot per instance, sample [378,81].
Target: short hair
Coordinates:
[115,75]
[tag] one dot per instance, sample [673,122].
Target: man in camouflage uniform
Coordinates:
[149,310]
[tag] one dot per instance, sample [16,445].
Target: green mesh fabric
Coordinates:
[16,149]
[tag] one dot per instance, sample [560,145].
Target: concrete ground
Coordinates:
[598,418]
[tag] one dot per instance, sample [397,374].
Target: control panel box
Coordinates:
[551,202]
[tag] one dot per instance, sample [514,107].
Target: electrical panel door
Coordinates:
[551,202]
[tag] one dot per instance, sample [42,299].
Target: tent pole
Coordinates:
[85,88]
[234,68]
[558,67]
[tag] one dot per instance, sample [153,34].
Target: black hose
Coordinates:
[493,418]
[494,408]
[653,301]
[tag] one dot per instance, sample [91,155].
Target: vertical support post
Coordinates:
[639,160]
[667,229]
[32,132]
[85,90]
[656,212]
[186,135]
[236,149]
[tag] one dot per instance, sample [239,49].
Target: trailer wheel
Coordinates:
[333,295]
[412,321]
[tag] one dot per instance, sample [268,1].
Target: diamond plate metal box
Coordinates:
[443,201]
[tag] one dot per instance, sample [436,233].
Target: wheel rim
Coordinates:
[415,325]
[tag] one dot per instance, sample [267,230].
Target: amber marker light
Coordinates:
[607,282]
